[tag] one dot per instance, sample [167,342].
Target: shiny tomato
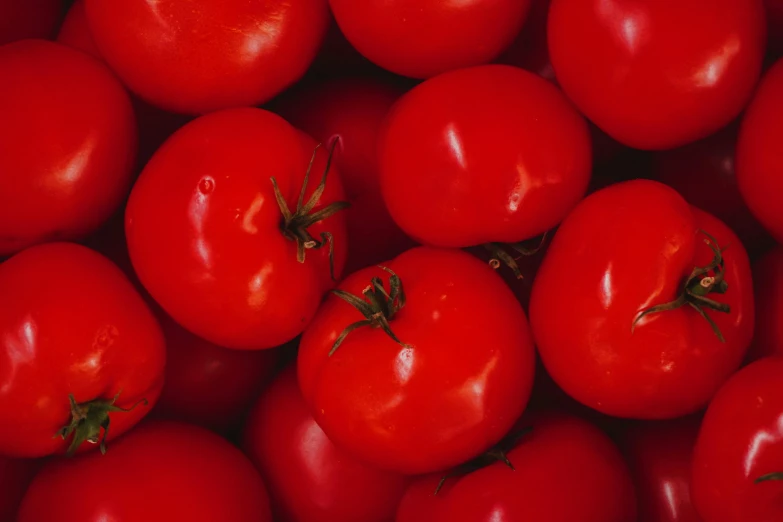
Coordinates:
[67,144]
[740,444]
[75,31]
[768,284]
[616,304]
[15,476]
[311,480]
[28,19]
[656,75]
[77,340]
[158,473]
[199,57]
[455,382]
[486,154]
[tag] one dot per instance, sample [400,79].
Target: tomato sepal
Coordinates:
[769,477]
[501,255]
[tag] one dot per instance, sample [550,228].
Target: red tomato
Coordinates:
[487,154]
[768,284]
[623,251]
[544,486]
[15,476]
[75,31]
[740,443]
[20,19]
[310,480]
[464,365]
[67,144]
[199,57]
[657,75]
[72,325]
[158,473]
[421,39]
[204,229]
[530,50]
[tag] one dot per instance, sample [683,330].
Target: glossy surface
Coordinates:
[28,19]
[625,249]
[67,144]
[656,75]
[768,284]
[70,322]
[203,229]
[466,372]
[309,479]
[200,56]
[741,439]
[486,154]
[421,39]
[545,486]
[15,476]
[158,473]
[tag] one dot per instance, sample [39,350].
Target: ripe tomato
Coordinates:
[310,480]
[28,19]
[768,284]
[67,144]
[479,155]
[72,326]
[160,472]
[15,476]
[657,75]
[75,31]
[621,254]
[739,443]
[464,363]
[199,57]
[543,487]
[208,239]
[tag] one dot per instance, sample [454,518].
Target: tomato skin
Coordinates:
[486,154]
[71,323]
[740,441]
[67,144]
[657,75]
[15,476]
[625,249]
[543,487]
[28,19]
[150,476]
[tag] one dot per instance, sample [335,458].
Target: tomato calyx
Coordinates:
[702,282]
[500,254]
[768,477]
[295,224]
[88,418]
[377,306]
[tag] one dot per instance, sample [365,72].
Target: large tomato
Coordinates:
[15,476]
[439,370]
[212,244]
[738,460]
[486,154]
[160,472]
[634,300]
[197,57]
[67,144]
[768,284]
[28,19]
[658,74]
[76,342]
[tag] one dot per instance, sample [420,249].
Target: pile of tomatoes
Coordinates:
[391,261]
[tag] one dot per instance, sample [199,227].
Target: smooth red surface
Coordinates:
[160,472]
[657,75]
[625,249]
[20,19]
[486,154]
[70,322]
[768,284]
[456,388]
[15,476]
[67,144]
[741,439]
[75,31]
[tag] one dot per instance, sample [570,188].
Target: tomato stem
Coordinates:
[768,477]
[500,254]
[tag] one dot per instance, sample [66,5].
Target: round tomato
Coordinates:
[76,341]
[643,305]
[480,155]
[455,382]
[28,19]
[738,460]
[67,144]
[199,57]
[15,476]
[659,74]
[158,473]
[768,284]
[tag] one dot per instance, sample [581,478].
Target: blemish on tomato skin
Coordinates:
[105,337]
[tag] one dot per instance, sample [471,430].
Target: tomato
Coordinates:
[486,154]
[196,58]
[209,241]
[75,31]
[530,50]
[310,480]
[740,443]
[543,487]
[464,362]
[158,473]
[621,255]
[67,144]
[28,19]
[15,476]
[657,75]
[75,336]
[768,284]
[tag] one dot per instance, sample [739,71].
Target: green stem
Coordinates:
[500,255]
[768,477]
